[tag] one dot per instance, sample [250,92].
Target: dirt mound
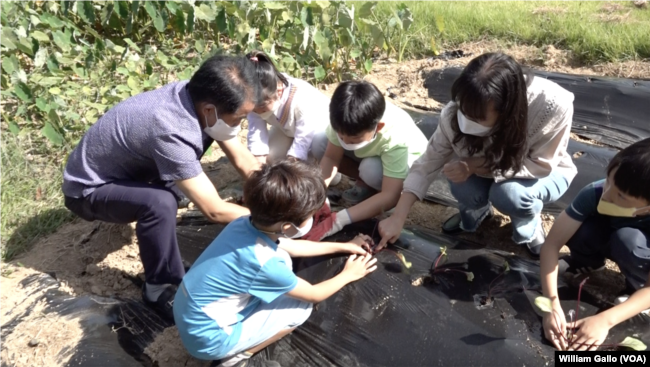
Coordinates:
[40,339]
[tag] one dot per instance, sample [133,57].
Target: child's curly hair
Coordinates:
[284,191]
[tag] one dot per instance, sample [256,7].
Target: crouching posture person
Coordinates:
[501,142]
[241,295]
[608,219]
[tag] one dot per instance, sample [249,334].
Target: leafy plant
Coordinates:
[65,63]
[545,305]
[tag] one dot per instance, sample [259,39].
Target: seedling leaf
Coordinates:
[544,304]
[406,263]
[632,343]
[507,267]
[470,276]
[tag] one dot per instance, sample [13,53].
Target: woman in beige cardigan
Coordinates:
[501,142]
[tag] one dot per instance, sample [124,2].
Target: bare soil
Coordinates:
[103,259]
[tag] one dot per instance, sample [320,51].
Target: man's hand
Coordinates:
[457,172]
[554,324]
[591,333]
[331,225]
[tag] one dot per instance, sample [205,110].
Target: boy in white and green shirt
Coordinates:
[370,140]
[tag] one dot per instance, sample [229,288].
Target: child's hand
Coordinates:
[358,267]
[591,333]
[457,172]
[389,230]
[361,244]
[554,324]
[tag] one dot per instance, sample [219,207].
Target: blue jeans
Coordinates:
[520,199]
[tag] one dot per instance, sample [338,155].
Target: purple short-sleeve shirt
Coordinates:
[150,136]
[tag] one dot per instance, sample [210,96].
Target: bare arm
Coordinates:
[330,162]
[303,248]
[379,203]
[355,268]
[561,232]
[203,194]
[240,157]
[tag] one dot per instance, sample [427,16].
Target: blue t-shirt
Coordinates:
[585,205]
[152,136]
[240,269]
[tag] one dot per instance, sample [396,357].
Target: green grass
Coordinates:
[574,25]
[32,201]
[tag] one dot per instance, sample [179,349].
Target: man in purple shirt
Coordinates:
[143,156]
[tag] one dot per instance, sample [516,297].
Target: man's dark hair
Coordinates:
[494,78]
[356,107]
[285,191]
[226,82]
[632,166]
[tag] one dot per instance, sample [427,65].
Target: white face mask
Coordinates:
[273,111]
[220,131]
[356,146]
[301,231]
[470,127]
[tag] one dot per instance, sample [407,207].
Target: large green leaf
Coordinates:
[14,128]
[51,134]
[307,16]
[179,21]
[86,11]
[123,9]
[62,40]
[368,65]
[132,44]
[10,64]
[222,24]
[135,7]
[40,36]
[346,38]
[65,7]
[346,17]
[319,73]
[6,42]
[205,12]
[189,28]
[42,104]
[406,16]
[157,20]
[274,5]
[367,9]
[172,6]
[22,91]
[25,45]
[107,12]
[52,20]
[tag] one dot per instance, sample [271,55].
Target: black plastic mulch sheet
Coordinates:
[115,331]
[381,320]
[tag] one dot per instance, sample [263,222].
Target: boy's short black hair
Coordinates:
[356,107]
[285,191]
[226,82]
[632,166]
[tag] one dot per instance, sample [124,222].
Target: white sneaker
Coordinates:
[337,178]
[622,299]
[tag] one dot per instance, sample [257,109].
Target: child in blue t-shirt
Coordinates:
[607,219]
[241,294]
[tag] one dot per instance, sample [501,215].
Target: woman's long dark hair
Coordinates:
[267,73]
[498,80]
